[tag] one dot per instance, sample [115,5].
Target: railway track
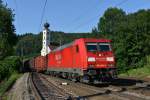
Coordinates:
[47,90]
[45,87]
[111,92]
[33,89]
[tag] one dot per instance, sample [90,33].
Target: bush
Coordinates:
[8,66]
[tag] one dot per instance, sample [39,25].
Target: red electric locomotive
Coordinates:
[84,59]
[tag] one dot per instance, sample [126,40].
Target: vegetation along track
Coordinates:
[47,90]
[96,92]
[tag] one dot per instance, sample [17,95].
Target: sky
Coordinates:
[70,16]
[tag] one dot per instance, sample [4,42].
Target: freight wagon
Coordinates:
[38,64]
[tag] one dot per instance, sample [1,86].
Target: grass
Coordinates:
[141,72]
[6,84]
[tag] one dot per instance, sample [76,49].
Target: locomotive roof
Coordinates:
[95,40]
[84,39]
[63,46]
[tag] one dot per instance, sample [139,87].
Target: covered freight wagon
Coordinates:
[39,64]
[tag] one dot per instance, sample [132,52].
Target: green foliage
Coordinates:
[29,44]
[110,20]
[95,30]
[141,72]
[7,36]
[6,84]
[130,34]
[8,66]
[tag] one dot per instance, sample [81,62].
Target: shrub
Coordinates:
[8,66]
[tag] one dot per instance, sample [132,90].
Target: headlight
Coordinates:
[91,59]
[110,59]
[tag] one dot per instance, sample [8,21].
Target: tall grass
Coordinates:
[139,72]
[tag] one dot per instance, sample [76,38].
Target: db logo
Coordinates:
[58,57]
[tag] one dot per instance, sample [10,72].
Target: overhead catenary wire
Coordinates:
[120,3]
[91,19]
[82,14]
[42,15]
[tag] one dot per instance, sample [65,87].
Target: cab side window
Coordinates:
[77,48]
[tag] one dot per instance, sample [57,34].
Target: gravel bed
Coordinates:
[98,93]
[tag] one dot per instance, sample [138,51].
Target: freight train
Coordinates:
[84,59]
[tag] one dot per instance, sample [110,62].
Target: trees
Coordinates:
[29,44]
[7,35]
[130,34]
[110,20]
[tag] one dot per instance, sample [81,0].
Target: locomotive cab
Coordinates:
[100,55]
[100,61]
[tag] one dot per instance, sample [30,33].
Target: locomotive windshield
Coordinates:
[91,47]
[104,47]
